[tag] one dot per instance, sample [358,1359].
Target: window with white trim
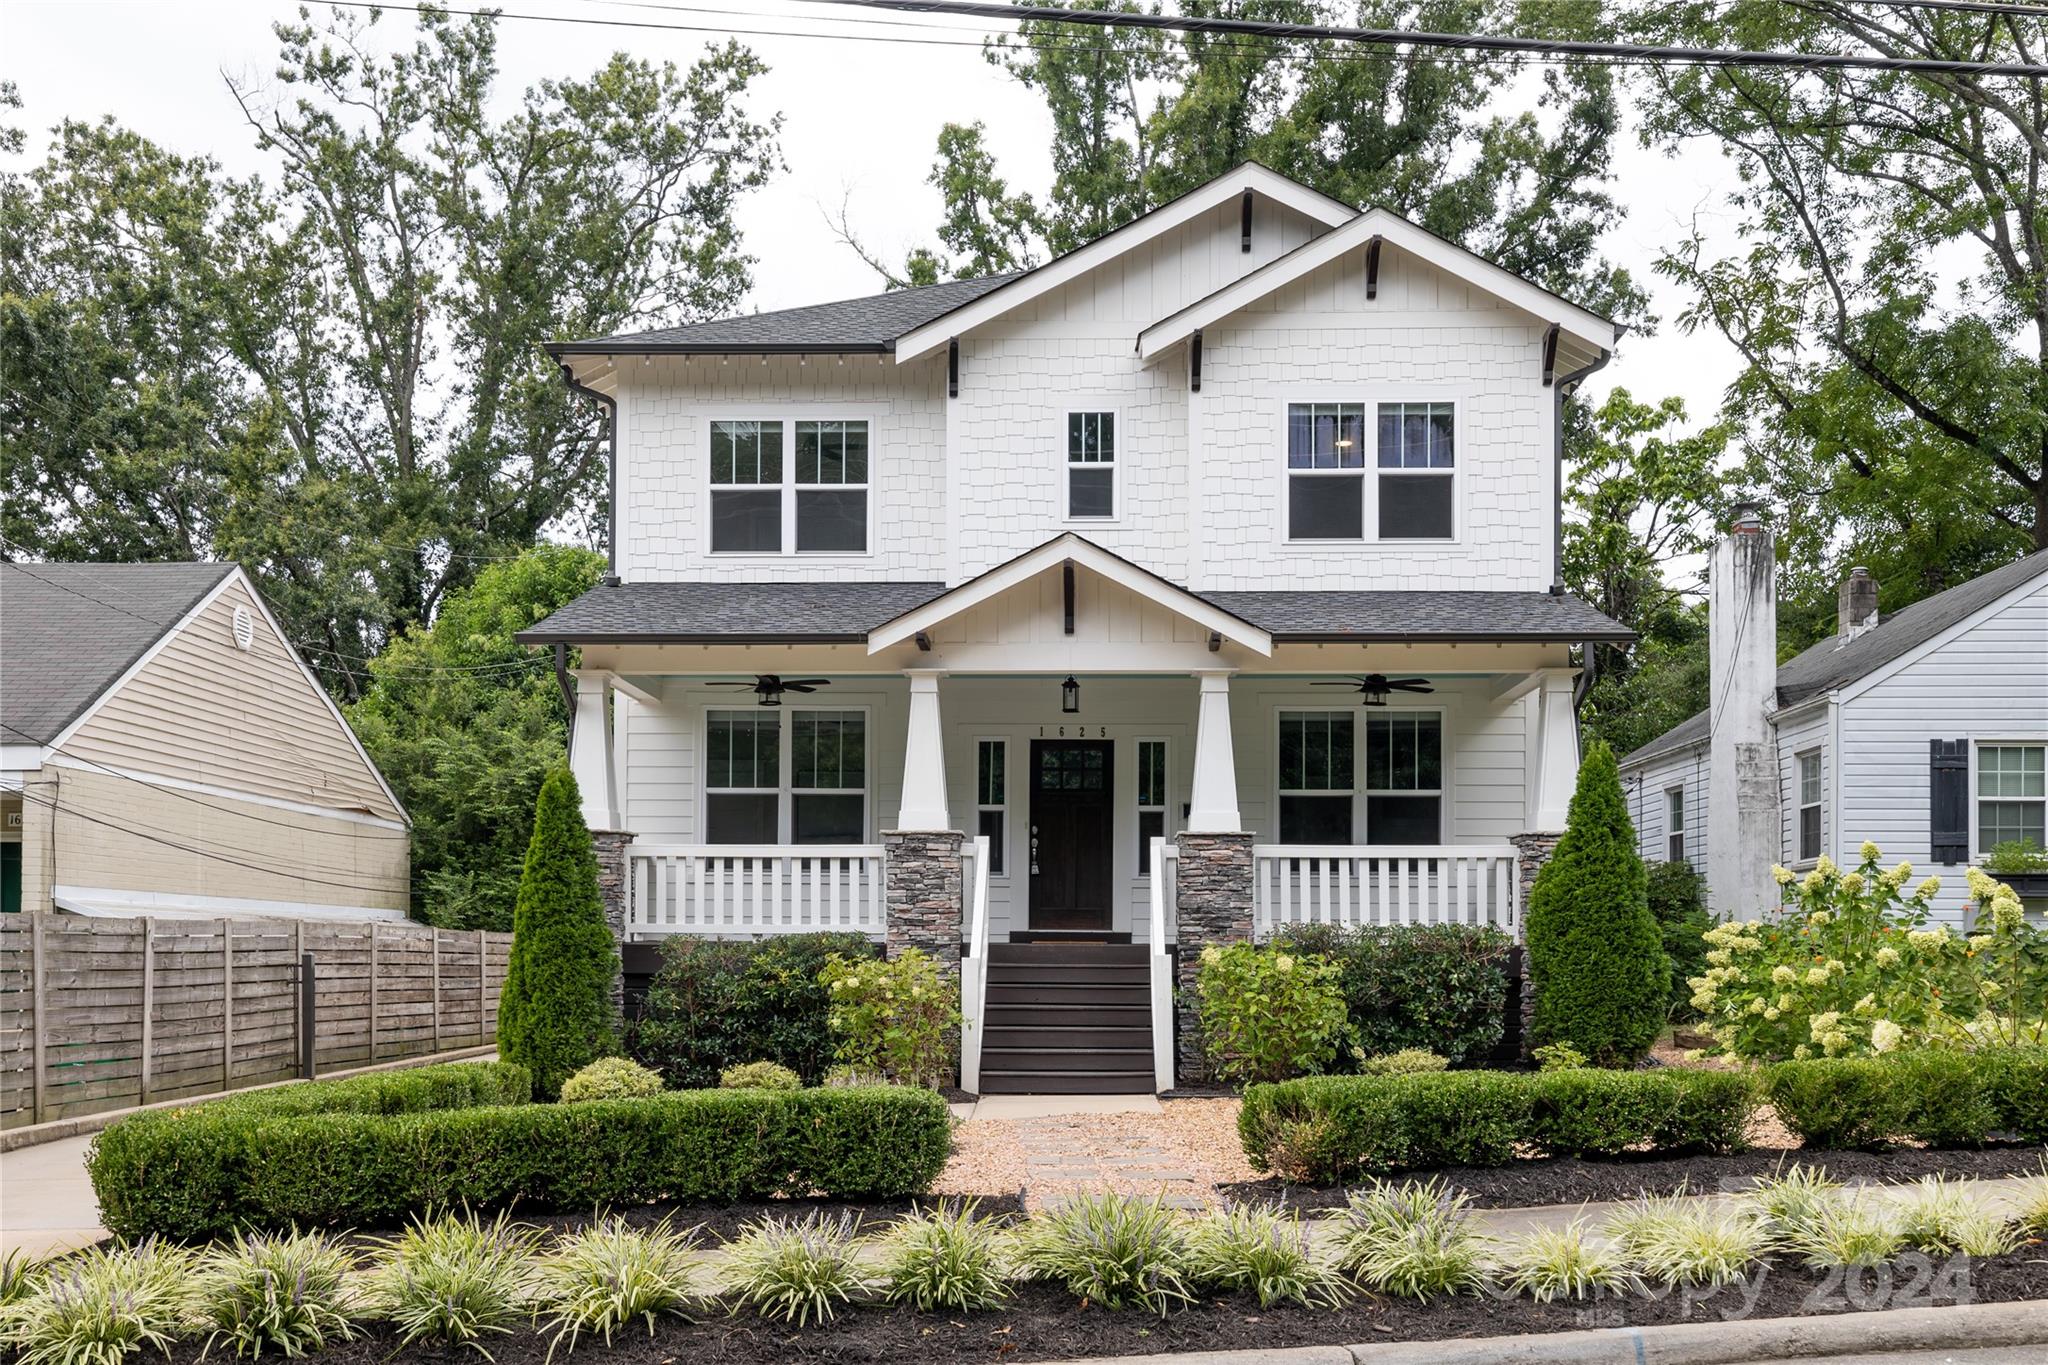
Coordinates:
[1151,788]
[1091,466]
[1404,777]
[2012,794]
[764,503]
[1809,804]
[1418,480]
[1317,759]
[1674,825]
[828,787]
[795,775]
[992,798]
[1325,471]
[742,777]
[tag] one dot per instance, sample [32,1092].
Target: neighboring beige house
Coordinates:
[164,750]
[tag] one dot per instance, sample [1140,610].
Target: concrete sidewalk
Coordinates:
[46,1199]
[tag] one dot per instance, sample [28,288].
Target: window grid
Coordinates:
[1325,471]
[2012,794]
[1674,825]
[818,502]
[992,798]
[1809,806]
[1417,459]
[1091,466]
[1151,799]
[1404,779]
[797,775]
[1317,771]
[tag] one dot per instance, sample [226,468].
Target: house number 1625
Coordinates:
[1080,732]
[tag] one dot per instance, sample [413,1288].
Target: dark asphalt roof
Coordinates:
[702,613]
[1823,667]
[867,324]
[67,631]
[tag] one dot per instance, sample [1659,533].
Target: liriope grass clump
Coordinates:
[1677,1241]
[2031,1215]
[945,1258]
[287,1292]
[1412,1240]
[801,1271]
[20,1273]
[1263,1252]
[608,1276]
[1790,1200]
[1116,1250]
[1847,1230]
[1567,1263]
[98,1306]
[456,1280]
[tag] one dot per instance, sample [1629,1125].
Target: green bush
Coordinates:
[610,1078]
[897,1017]
[715,1004]
[1678,902]
[1327,1129]
[759,1076]
[1406,1062]
[187,1169]
[1268,1013]
[1596,957]
[555,1015]
[1443,987]
[1943,1099]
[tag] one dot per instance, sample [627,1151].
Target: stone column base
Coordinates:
[925,894]
[1534,850]
[1213,905]
[611,888]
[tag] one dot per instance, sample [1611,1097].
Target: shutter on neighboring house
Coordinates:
[1948,803]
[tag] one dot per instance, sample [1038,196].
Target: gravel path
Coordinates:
[1186,1152]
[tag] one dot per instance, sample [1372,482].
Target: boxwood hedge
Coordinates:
[1944,1099]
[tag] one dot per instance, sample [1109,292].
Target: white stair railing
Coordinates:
[1386,885]
[974,970]
[734,890]
[1165,872]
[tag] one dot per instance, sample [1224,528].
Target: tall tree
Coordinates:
[983,230]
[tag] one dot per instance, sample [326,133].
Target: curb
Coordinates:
[1706,1343]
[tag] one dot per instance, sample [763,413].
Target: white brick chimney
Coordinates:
[1855,606]
[1743,835]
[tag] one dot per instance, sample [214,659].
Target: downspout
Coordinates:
[1557,394]
[611,443]
[568,687]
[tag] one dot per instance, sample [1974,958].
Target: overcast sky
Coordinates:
[861,117]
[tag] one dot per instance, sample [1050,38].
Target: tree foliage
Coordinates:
[465,724]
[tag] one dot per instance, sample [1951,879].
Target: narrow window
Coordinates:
[992,798]
[746,486]
[1317,756]
[1091,465]
[827,777]
[832,487]
[1674,825]
[1325,471]
[1417,472]
[2012,795]
[1404,778]
[1151,799]
[742,777]
[1809,805]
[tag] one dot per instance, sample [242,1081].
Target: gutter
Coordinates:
[1558,386]
[611,441]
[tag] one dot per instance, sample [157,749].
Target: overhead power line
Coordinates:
[1657,54]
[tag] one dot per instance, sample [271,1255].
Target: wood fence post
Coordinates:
[148,1000]
[227,1004]
[483,985]
[39,1003]
[373,990]
[436,934]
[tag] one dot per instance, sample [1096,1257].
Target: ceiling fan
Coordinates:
[1376,686]
[770,688]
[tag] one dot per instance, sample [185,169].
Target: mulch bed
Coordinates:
[720,1225]
[1045,1323]
[1571,1181]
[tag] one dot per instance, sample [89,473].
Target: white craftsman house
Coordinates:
[1925,731]
[1200,580]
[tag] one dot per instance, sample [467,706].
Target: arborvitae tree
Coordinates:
[555,1016]
[1596,955]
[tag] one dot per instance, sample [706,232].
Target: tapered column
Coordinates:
[1213,806]
[924,758]
[590,749]
[1557,751]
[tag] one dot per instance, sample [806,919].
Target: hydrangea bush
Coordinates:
[1268,1013]
[1853,969]
[897,1018]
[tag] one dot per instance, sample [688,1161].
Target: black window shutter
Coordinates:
[1948,803]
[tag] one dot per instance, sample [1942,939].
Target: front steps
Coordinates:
[1067,1019]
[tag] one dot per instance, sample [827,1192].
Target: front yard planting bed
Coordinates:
[720,1223]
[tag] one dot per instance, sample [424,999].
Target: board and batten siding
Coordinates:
[1645,788]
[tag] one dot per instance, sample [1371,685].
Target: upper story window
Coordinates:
[1418,478]
[1674,824]
[1325,471]
[1809,805]
[765,503]
[2012,794]
[1091,465]
[1412,493]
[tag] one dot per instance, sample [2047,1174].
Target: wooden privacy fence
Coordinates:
[99,1014]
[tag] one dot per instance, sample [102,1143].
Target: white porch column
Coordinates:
[1557,751]
[924,757]
[590,749]
[1213,808]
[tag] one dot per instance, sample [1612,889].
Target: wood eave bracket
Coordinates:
[1067,592]
[1245,223]
[1549,354]
[1215,641]
[953,368]
[1195,362]
[924,642]
[1372,267]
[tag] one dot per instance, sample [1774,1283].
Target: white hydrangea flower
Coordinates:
[1781,874]
[1885,1035]
[1928,889]
[1783,975]
[1853,883]
[1772,1013]
[1867,1005]
[1887,956]
[1816,976]
[1283,963]
[1870,851]
[1825,866]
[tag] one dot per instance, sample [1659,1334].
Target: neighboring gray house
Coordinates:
[1925,730]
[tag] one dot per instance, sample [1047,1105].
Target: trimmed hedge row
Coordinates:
[1327,1129]
[187,1169]
[1944,1099]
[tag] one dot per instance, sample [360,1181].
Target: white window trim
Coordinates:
[1674,805]
[1067,465]
[1446,791]
[1800,805]
[1978,853]
[787,416]
[784,792]
[1442,791]
[1009,825]
[1165,804]
[1371,396]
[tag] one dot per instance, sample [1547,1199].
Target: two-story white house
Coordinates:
[1202,579]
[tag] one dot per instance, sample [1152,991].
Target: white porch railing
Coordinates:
[974,967]
[1383,884]
[1165,893]
[717,890]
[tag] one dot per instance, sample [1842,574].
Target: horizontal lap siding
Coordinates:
[1806,733]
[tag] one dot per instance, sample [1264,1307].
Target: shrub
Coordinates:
[1116,1250]
[944,1259]
[610,1078]
[1441,987]
[1559,1263]
[98,1306]
[1557,1057]
[1678,902]
[604,1277]
[1412,1240]
[288,1291]
[1596,957]
[759,1076]
[1266,1253]
[1585,1112]
[717,1003]
[1267,1013]
[2016,857]
[898,1016]
[1407,1062]
[1943,1099]
[555,1014]
[796,1271]
[455,1280]
[185,1172]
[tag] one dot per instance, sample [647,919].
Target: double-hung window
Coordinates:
[1091,466]
[2012,794]
[1317,758]
[785,776]
[992,797]
[828,799]
[1674,824]
[765,503]
[1418,493]
[1151,799]
[1404,777]
[1325,471]
[743,778]
[1809,805]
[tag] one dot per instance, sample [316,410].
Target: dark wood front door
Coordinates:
[1071,820]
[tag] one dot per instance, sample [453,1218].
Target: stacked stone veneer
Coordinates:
[611,888]
[1533,852]
[1213,905]
[924,891]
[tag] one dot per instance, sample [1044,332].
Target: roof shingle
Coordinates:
[865,324]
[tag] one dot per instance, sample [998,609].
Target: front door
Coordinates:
[1071,839]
